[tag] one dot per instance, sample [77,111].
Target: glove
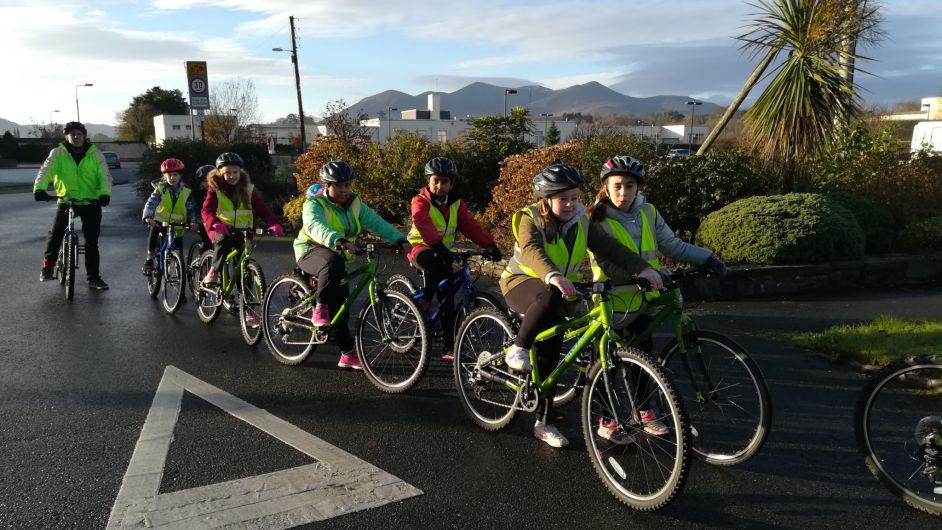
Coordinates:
[104,200]
[277,230]
[443,253]
[41,195]
[716,266]
[493,252]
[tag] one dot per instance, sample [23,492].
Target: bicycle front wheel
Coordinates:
[644,470]
[250,310]
[61,264]
[208,299]
[898,424]
[481,299]
[725,395]
[174,281]
[71,254]
[393,341]
[286,320]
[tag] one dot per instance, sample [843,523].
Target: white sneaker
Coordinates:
[549,434]
[518,359]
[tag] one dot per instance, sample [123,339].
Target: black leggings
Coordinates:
[329,268]
[435,270]
[90,214]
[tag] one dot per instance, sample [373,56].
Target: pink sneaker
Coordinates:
[609,431]
[351,360]
[652,425]
[320,316]
[447,355]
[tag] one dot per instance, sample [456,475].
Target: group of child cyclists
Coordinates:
[621,233]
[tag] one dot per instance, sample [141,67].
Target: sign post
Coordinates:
[198,83]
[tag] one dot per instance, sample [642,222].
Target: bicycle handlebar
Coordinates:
[462,256]
[71,201]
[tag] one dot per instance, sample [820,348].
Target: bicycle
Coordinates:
[70,248]
[898,426]
[461,283]
[392,338]
[169,268]
[193,264]
[642,470]
[240,289]
[724,392]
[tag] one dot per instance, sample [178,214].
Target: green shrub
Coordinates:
[922,236]
[877,223]
[783,229]
[34,152]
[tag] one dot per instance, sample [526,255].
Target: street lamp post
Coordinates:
[389,111]
[78,116]
[693,110]
[297,79]
[50,116]
[507,91]
[545,116]
[640,123]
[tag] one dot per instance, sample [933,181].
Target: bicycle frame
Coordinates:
[458,280]
[226,282]
[166,244]
[365,278]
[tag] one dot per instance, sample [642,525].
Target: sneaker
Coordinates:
[652,425]
[549,434]
[211,279]
[148,266]
[351,360]
[47,273]
[320,317]
[447,355]
[609,431]
[97,283]
[252,320]
[518,359]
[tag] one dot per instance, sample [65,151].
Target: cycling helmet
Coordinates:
[623,165]
[229,159]
[74,126]
[557,178]
[442,167]
[171,165]
[203,171]
[337,171]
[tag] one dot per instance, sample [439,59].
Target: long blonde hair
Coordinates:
[241,194]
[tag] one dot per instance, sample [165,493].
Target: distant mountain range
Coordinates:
[93,128]
[481,98]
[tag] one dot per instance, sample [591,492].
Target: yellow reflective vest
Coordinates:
[567,262]
[240,216]
[627,299]
[447,230]
[170,211]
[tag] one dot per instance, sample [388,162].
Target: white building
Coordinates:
[927,134]
[172,127]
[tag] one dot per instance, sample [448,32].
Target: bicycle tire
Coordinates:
[71,255]
[60,264]
[721,380]
[401,283]
[628,469]
[479,365]
[481,299]
[250,306]
[290,345]
[208,302]
[393,341]
[174,279]
[898,397]
[192,266]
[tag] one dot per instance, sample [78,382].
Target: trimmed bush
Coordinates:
[783,229]
[922,236]
[877,223]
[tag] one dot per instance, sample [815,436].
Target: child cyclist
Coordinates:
[231,201]
[437,217]
[332,217]
[622,212]
[552,237]
[170,202]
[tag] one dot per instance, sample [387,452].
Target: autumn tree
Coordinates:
[136,123]
[235,110]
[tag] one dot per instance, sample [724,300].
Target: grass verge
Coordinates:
[878,342]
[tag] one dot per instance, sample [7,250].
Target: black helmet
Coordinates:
[229,159]
[202,171]
[442,167]
[337,171]
[623,165]
[557,178]
[74,126]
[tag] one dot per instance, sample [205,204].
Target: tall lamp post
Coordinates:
[507,91]
[389,111]
[50,116]
[693,110]
[78,116]
[297,79]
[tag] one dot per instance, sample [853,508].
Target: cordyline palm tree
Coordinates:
[811,91]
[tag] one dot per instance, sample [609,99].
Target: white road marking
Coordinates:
[337,483]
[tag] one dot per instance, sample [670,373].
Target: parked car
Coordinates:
[679,153]
[112,159]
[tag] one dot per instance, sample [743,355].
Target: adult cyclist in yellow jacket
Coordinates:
[553,237]
[332,217]
[77,170]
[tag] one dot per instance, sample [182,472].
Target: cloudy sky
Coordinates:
[354,48]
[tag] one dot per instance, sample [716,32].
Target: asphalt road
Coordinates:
[79,379]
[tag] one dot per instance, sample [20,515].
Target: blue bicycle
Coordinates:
[169,269]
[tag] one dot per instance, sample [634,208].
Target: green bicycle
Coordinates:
[240,289]
[392,338]
[645,471]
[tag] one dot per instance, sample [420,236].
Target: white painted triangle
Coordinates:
[337,483]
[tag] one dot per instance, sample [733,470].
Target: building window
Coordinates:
[188,127]
[175,127]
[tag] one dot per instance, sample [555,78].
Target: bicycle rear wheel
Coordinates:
[481,299]
[725,394]
[643,470]
[250,310]
[192,266]
[208,299]
[71,254]
[898,425]
[393,342]
[286,320]
[174,281]
[401,283]
[480,373]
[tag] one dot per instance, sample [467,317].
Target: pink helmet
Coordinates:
[170,165]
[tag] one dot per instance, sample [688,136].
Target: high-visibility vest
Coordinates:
[236,217]
[447,230]
[566,261]
[170,211]
[333,214]
[627,299]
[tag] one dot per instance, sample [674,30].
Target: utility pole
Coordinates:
[297,81]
